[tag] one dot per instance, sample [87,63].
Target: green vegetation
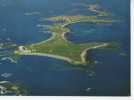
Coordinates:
[57,46]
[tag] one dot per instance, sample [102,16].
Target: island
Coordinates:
[59,47]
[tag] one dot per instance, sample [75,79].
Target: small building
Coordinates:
[24,49]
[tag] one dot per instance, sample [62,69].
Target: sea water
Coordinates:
[45,76]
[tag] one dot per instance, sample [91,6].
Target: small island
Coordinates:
[59,47]
[12,89]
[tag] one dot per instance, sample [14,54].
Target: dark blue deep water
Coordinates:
[110,76]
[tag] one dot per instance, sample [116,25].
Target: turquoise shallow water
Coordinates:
[45,76]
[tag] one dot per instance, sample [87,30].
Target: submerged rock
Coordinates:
[6,75]
[9,58]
